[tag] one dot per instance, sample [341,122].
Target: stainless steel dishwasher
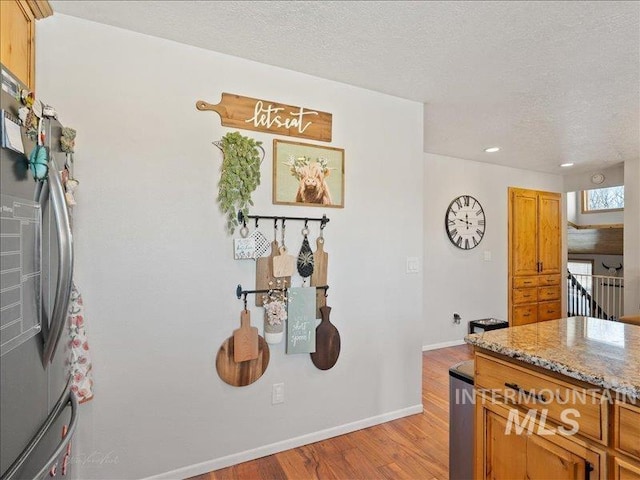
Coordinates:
[461,412]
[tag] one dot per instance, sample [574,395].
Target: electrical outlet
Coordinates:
[456,318]
[277,393]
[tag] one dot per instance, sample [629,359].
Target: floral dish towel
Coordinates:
[82,383]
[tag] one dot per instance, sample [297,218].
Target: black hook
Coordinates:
[306,223]
[245,300]
[256,223]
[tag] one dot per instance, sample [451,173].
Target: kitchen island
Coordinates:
[558,399]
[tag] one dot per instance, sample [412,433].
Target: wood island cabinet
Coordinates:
[511,456]
[626,440]
[535,260]
[17,36]
[534,424]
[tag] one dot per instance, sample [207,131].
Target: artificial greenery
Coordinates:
[240,176]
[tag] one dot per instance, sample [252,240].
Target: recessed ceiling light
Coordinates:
[492,149]
[566,165]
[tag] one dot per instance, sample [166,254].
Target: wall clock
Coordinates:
[465,222]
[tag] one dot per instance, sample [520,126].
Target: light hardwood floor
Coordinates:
[411,448]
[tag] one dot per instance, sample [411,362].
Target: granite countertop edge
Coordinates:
[618,385]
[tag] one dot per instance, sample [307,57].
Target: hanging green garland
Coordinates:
[240,176]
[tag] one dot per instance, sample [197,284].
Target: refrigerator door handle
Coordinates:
[73,422]
[65,263]
[67,397]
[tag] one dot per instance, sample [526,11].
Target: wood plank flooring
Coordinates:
[411,448]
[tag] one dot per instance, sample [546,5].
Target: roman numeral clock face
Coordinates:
[465,222]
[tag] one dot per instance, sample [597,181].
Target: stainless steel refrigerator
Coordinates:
[38,411]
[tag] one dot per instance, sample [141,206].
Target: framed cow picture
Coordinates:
[305,174]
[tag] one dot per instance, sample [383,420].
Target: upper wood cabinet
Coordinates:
[535,260]
[17,36]
[549,233]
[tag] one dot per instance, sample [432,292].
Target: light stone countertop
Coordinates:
[599,352]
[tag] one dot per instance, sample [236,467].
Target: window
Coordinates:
[603,199]
[582,270]
[580,267]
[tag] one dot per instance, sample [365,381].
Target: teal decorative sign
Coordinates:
[301,322]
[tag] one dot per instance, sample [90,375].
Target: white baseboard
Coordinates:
[435,346]
[217,463]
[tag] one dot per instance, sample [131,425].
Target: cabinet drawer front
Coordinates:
[548,293]
[525,295]
[565,404]
[623,470]
[523,282]
[549,280]
[549,311]
[524,314]
[627,429]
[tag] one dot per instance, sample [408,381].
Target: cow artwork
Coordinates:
[307,174]
[311,176]
[313,187]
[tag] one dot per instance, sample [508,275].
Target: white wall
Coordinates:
[575,215]
[598,260]
[462,281]
[575,183]
[155,265]
[632,237]
[613,176]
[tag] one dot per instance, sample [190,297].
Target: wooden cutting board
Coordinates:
[264,273]
[245,339]
[284,264]
[327,342]
[240,374]
[319,276]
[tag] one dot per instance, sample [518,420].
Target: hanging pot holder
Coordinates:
[261,242]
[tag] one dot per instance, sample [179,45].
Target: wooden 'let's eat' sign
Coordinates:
[265,116]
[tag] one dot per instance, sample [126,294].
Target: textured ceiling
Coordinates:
[548,82]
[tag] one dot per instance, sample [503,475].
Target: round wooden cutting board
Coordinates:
[244,373]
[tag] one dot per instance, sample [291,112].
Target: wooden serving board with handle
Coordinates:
[283,264]
[254,114]
[327,342]
[240,374]
[319,275]
[245,339]
[264,273]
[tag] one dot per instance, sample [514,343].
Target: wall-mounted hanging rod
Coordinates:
[323,221]
[243,293]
